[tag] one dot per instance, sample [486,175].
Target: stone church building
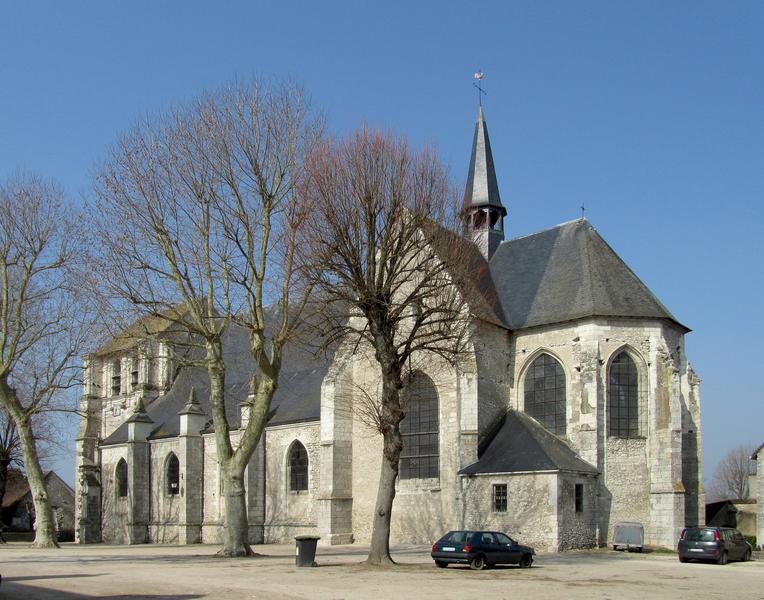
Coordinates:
[575,408]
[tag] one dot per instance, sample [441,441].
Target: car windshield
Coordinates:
[700,535]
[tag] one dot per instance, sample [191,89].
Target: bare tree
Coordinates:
[10,449]
[11,456]
[386,266]
[730,479]
[199,209]
[40,318]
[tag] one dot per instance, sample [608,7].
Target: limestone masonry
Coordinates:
[575,408]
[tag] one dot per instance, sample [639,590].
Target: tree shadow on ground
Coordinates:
[19,591]
[34,577]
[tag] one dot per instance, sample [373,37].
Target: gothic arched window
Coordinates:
[172,475]
[623,397]
[419,428]
[545,393]
[120,476]
[298,467]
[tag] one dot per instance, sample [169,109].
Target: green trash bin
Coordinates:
[305,551]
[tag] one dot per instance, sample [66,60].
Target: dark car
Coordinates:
[720,544]
[480,549]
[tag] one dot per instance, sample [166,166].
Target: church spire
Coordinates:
[482,210]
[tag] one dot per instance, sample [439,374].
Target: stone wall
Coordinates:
[531,516]
[576,529]
[212,526]
[760,498]
[289,513]
[667,453]
[165,508]
[423,508]
[625,495]
[115,510]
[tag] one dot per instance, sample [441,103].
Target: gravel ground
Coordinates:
[184,572]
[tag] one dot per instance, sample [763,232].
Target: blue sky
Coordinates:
[649,113]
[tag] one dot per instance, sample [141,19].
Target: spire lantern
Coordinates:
[482,210]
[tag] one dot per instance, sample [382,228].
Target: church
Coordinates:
[574,408]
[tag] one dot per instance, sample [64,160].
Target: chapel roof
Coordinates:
[565,273]
[521,444]
[297,397]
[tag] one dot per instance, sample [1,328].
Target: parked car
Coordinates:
[713,543]
[480,549]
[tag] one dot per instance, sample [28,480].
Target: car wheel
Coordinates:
[722,558]
[682,559]
[747,556]
[441,564]
[478,563]
[526,560]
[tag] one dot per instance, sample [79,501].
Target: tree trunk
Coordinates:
[45,531]
[236,522]
[391,416]
[379,550]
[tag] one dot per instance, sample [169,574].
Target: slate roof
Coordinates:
[297,398]
[755,454]
[521,444]
[473,277]
[17,486]
[142,328]
[565,273]
[482,188]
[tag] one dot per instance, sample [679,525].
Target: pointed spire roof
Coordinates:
[139,414]
[482,189]
[192,405]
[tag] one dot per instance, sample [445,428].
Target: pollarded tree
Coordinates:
[41,319]
[386,262]
[198,208]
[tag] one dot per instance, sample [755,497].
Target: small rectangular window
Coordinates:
[500,497]
[579,497]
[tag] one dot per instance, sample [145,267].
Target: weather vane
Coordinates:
[477,83]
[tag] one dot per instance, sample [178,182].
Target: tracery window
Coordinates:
[120,476]
[172,475]
[623,397]
[419,429]
[298,467]
[545,393]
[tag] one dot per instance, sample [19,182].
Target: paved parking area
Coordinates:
[185,572]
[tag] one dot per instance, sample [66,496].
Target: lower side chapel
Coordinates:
[575,408]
